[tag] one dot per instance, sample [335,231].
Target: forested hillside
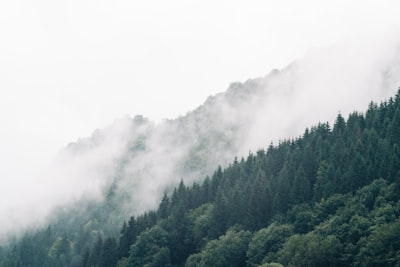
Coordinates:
[328,198]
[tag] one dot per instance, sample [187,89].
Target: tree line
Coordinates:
[327,198]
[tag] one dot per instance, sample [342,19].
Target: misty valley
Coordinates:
[254,177]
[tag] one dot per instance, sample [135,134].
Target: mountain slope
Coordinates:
[328,198]
[144,159]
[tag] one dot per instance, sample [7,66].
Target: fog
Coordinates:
[143,159]
[144,156]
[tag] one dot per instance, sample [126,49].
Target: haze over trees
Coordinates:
[327,198]
[139,159]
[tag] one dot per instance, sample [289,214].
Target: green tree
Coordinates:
[301,187]
[382,248]
[323,186]
[147,248]
[109,253]
[229,250]
[266,242]
[310,250]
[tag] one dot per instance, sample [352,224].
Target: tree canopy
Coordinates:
[327,198]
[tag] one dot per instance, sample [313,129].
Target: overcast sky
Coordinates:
[69,67]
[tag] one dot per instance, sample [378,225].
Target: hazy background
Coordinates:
[67,68]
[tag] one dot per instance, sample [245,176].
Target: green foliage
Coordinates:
[311,249]
[266,242]
[229,250]
[200,221]
[382,247]
[150,249]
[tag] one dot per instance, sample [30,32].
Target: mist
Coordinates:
[139,159]
[69,68]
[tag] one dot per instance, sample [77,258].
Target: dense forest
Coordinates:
[327,198]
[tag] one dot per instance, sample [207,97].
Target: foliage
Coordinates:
[229,250]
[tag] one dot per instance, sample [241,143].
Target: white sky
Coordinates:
[69,67]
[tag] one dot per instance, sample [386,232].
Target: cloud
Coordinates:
[341,78]
[142,159]
[248,116]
